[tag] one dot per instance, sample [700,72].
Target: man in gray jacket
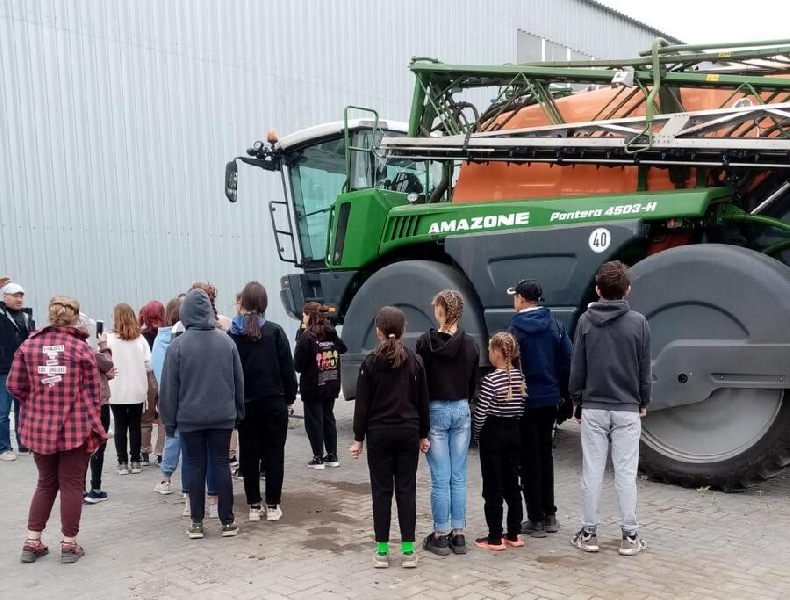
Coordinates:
[610,382]
[202,394]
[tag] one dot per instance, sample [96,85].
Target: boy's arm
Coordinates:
[578,377]
[645,368]
[169,390]
[564,357]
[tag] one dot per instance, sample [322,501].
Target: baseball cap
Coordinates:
[13,288]
[529,289]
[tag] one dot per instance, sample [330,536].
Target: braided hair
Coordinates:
[64,311]
[452,303]
[506,344]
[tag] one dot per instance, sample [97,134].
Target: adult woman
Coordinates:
[202,394]
[55,377]
[451,361]
[269,390]
[317,358]
[152,316]
[129,388]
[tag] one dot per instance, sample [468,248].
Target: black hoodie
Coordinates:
[269,374]
[319,363]
[611,368]
[391,397]
[451,363]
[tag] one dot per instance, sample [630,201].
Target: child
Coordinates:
[496,425]
[392,412]
[611,382]
[317,358]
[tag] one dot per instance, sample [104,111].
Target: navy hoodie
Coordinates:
[546,353]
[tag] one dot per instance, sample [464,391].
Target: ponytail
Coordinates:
[391,322]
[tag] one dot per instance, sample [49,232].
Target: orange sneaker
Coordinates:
[515,541]
[484,544]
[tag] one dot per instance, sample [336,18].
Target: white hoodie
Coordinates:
[132,360]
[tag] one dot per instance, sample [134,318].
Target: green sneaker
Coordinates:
[230,530]
[195,531]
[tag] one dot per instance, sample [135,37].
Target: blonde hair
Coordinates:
[64,311]
[506,344]
[452,303]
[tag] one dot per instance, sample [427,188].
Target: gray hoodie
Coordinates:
[202,383]
[611,368]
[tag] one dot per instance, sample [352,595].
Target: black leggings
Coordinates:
[127,423]
[201,448]
[262,436]
[97,460]
[319,422]
[500,447]
[393,455]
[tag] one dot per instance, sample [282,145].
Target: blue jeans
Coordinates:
[170,456]
[451,431]
[5,409]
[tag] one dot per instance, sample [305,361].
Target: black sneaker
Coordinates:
[159,459]
[536,529]
[230,530]
[316,463]
[439,545]
[551,524]
[145,460]
[331,461]
[458,543]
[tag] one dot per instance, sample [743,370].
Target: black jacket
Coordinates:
[390,397]
[269,373]
[451,364]
[611,368]
[319,364]
[12,335]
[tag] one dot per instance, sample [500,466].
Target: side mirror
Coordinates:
[231,181]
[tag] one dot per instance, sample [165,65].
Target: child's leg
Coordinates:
[595,448]
[405,472]
[330,427]
[490,468]
[381,464]
[510,485]
[626,429]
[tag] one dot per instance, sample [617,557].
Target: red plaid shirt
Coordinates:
[55,377]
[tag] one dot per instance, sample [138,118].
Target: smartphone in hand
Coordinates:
[99,328]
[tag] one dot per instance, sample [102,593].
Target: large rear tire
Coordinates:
[410,285]
[735,435]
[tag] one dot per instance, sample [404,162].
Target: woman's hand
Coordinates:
[103,337]
[425,445]
[111,373]
[356,449]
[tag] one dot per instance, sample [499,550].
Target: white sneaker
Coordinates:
[123,468]
[187,512]
[213,511]
[274,513]
[163,487]
[8,456]
[255,513]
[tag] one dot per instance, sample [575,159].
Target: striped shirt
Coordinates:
[493,400]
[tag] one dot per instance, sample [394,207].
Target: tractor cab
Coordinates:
[317,165]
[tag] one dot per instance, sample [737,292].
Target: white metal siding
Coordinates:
[117,117]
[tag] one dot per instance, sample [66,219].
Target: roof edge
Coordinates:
[633,21]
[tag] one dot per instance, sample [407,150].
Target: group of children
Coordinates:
[211,381]
[409,403]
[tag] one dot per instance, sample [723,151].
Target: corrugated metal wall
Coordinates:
[117,117]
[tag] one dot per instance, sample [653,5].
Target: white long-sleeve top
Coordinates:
[132,360]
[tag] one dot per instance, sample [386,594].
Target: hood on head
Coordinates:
[533,321]
[606,311]
[446,347]
[196,311]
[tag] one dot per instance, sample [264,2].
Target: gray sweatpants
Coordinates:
[621,430]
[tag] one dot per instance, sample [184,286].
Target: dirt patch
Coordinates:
[330,545]
[349,486]
[323,531]
[316,508]
[567,560]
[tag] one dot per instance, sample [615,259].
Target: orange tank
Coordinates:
[501,181]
